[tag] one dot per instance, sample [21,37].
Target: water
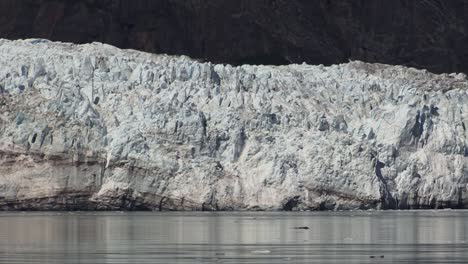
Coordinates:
[199,237]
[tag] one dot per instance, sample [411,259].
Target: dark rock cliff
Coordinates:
[428,34]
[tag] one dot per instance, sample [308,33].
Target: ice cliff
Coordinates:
[93,127]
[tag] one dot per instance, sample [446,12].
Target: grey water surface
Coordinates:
[230,237]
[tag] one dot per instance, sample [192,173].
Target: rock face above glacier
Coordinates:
[428,34]
[99,128]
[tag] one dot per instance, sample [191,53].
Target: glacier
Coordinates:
[94,127]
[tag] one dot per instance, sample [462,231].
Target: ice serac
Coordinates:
[99,128]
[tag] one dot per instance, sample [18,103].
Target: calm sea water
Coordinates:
[199,237]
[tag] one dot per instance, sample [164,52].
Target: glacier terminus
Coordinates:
[94,127]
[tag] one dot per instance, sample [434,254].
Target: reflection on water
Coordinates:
[199,237]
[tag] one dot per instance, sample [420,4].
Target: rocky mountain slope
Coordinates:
[429,34]
[95,127]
